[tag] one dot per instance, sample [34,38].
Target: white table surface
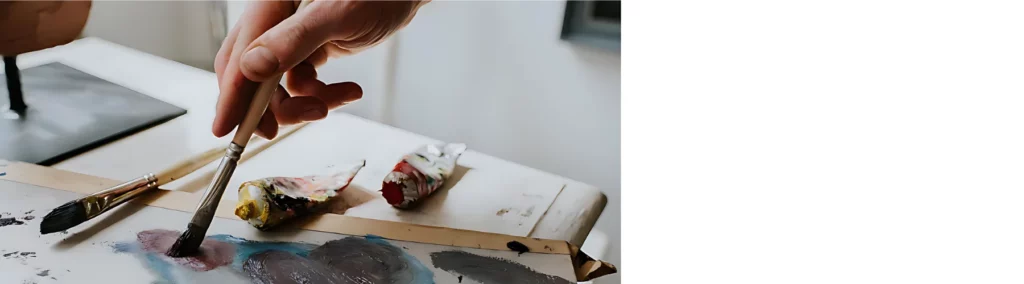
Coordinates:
[493,195]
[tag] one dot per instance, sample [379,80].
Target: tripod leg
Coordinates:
[14,84]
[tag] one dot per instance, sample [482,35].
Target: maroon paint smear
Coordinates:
[212,253]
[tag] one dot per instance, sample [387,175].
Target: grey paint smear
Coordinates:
[368,261]
[349,260]
[279,267]
[490,270]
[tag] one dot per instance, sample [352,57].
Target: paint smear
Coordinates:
[151,246]
[371,260]
[216,252]
[212,253]
[348,260]
[490,270]
[244,249]
[279,267]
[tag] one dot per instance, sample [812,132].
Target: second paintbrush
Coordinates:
[78,211]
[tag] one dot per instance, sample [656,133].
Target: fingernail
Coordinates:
[260,61]
[312,114]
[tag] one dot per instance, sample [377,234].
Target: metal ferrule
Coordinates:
[211,198]
[102,201]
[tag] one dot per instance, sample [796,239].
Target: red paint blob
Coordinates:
[212,253]
[392,192]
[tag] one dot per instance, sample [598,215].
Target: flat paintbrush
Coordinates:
[189,241]
[78,211]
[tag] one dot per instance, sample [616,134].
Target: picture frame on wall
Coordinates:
[593,23]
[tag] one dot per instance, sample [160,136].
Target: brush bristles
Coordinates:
[189,241]
[64,217]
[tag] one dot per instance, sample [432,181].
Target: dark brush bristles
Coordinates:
[64,217]
[189,241]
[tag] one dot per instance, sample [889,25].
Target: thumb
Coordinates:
[285,45]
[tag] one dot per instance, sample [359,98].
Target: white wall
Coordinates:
[495,75]
[178,30]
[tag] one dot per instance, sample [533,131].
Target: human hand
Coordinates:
[267,42]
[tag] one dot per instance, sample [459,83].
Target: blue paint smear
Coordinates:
[420,273]
[245,248]
[160,267]
[153,262]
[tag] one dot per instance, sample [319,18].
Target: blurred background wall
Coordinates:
[492,74]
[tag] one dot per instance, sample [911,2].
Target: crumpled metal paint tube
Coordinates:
[420,173]
[268,202]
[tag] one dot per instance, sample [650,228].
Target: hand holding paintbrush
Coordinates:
[189,241]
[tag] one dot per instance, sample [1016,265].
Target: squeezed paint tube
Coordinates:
[420,173]
[268,202]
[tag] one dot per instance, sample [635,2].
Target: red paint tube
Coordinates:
[420,173]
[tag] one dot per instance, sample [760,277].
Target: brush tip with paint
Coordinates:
[189,241]
[63,217]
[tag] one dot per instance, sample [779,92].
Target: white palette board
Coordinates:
[85,253]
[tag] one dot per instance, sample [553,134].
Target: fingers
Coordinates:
[320,56]
[232,104]
[268,125]
[235,89]
[295,109]
[287,44]
[224,54]
[339,94]
[302,82]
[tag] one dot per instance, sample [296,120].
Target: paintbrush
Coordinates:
[80,210]
[189,241]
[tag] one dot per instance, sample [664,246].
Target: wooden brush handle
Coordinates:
[256,110]
[188,166]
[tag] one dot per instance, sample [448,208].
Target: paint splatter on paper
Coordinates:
[10,221]
[14,221]
[490,270]
[21,254]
